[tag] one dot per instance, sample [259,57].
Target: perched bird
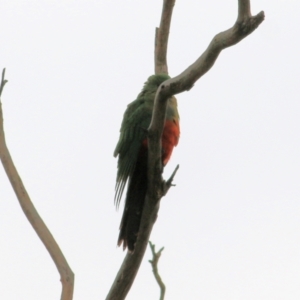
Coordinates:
[132,155]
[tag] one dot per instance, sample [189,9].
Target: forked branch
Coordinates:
[154,264]
[67,276]
[244,26]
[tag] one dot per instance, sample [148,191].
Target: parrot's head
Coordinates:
[155,81]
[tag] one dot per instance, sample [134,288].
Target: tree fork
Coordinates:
[66,274]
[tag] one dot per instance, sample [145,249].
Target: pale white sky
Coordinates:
[230,227]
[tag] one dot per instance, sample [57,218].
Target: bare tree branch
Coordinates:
[162,37]
[244,10]
[154,263]
[244,26]
[67,276]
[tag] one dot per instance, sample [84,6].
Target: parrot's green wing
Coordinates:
[133,131]
[136,121]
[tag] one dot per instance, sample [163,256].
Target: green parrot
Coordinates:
[132,155]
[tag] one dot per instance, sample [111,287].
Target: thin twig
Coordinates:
[168,183]
[154,263]
[67,276]
[3,82]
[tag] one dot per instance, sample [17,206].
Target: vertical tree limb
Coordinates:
[244,10]
[162,38]
[67,276]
